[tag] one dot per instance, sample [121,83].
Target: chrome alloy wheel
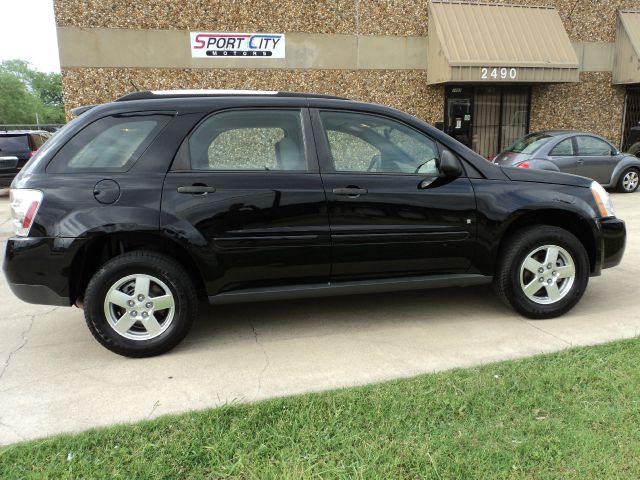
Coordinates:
[630,181]
[139,307]
[547,274]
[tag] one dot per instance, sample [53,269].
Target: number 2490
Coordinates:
[498,73]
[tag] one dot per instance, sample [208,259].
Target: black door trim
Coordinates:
[349,288]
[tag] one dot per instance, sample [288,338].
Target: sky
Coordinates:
[28,32]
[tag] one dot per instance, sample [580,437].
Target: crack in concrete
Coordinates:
[21,315]
[25,339]
[266,358]
[548,333]
[13,429]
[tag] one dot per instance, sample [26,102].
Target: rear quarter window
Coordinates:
[110,144]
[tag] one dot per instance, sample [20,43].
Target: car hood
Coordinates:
[511,158]
[545,176]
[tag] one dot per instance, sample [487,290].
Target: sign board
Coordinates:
[237,45]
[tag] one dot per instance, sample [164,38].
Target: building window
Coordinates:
[487,118]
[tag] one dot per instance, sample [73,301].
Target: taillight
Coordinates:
[24,208]
[523,165]
[32,153]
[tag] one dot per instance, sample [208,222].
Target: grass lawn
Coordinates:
[575,414]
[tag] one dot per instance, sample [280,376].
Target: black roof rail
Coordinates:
[155,94]
[80,110]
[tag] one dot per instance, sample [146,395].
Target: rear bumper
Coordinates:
[613,241]
[38,270]
[40,294]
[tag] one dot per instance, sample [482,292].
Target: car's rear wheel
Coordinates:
[629,180]
[542,271]
[140,304]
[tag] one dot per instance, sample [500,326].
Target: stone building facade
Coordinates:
[370,50]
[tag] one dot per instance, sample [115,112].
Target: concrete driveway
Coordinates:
[54,377]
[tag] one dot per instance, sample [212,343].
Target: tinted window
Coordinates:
[249,140]
[13,143]
[563,149]
[529,143]
[110,144]
[592,146]
[368,143]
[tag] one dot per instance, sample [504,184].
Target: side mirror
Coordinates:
[449,164]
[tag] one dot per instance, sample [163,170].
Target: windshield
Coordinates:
[13,143]
[529,143]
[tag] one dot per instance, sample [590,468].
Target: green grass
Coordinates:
[575,414]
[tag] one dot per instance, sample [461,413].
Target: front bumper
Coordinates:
[613,241]
[38,269]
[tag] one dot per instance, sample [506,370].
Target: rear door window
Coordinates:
[110,144]
[263,140]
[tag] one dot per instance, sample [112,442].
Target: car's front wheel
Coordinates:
[542,272]
[629,180]
[140,304]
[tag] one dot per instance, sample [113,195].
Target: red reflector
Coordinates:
[31,212]
[523,165]
[32,153]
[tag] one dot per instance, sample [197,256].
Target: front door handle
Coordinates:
[580,161]
[350,191]
[196,189]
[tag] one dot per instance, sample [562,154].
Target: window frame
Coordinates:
[50,166]
[182,160]
[326,157]
[580,154]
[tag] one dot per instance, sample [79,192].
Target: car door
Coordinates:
[596,158]
[245,189]
[391,214]
[563,155]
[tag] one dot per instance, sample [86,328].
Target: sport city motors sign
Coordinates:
[242,45]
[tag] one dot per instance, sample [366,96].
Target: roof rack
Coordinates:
[155,94]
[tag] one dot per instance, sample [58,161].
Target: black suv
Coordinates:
[139,208]
[16,148]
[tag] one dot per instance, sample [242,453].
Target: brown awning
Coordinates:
[626,68]
[497,43]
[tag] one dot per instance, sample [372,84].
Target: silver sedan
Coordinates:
[579,153]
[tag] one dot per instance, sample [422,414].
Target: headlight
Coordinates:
[603,201]
[24,208]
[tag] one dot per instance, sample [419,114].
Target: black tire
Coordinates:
[147,265]
[507,282]
[621,180]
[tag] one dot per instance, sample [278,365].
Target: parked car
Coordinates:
[579,153]
[16,147]
[140,207]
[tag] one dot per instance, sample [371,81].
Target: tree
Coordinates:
[25,92]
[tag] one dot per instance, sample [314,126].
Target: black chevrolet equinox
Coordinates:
[138,208]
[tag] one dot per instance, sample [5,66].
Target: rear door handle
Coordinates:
[196,189]
[350,191]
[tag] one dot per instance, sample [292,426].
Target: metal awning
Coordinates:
[498,43]
[626,68]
